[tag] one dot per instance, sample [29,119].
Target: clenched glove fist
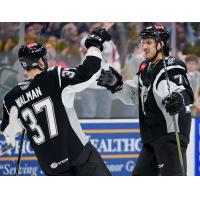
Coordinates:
[174,104]
[111,80]
[97,38]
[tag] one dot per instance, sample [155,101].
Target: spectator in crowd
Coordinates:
[196,28]
[7,57]
[10,43]
[194,75]
[34,31]
[8,75]
[30,34]
[39,27]
[69,35]
[1,45]
[82,27]
[131,67]
[52,40]
[9,29]
[182,39]
[96,101]
[53,58]
[132,61]
[52,29]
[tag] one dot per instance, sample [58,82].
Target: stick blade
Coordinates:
[5,149]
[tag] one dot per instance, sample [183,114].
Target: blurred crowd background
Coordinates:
[65,45]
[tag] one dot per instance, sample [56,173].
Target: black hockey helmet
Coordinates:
[29,54]
[158,32]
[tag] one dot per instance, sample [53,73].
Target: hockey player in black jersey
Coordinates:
[43,105]
[159,154]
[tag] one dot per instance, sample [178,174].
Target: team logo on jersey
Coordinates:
[96,37]
[24,85]
[23,64]
[161,165]
[68,73]
[50,69]
[170,61]
[143,66]
[56,164]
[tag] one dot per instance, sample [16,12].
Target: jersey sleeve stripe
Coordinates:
[68,92]
[59,70]
[163,71]
[73,119]
[5,107]
[161,92]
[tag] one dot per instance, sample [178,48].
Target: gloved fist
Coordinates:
[111,80]
[174,104]
[97,38]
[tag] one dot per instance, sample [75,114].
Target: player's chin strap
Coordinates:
[173,116]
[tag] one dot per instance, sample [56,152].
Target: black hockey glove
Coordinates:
[174,104]
[97,38]
[111,80]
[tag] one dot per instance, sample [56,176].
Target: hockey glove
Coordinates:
[174,104]
[97,38]
[111,80]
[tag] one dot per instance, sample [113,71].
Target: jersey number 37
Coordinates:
[46,105]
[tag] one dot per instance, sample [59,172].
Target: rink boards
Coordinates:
[117,140]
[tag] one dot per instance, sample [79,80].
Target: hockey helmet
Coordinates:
[29,54]
[158,32]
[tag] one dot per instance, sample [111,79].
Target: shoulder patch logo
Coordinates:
[50,68]
[68,73]
[143,66]
[170,61]
[23,64]
[24,85]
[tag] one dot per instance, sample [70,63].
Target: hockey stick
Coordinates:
[173,116]
[20,153]
[5,149]
[10,129]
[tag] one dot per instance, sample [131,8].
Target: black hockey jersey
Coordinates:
[154,120]
[46,111]
[150,88]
